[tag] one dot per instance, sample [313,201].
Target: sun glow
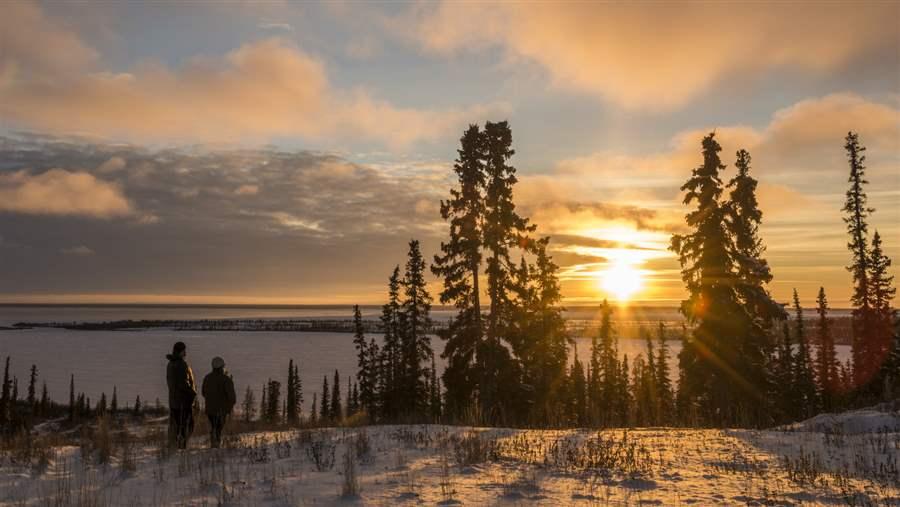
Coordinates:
[621,280]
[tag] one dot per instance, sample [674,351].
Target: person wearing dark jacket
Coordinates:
[218,391]
[182,392]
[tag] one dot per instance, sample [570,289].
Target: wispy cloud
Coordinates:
[661,56]
[259,91]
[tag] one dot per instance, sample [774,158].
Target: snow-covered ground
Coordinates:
[444,465]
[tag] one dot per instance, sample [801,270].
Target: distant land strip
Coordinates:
[577,327]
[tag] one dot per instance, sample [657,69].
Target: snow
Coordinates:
[447,465]
[881,418]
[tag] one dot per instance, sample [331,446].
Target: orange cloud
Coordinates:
[60,192]
[660,56]
[264,89]
[34,44]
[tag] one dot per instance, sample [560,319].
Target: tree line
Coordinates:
[510,360]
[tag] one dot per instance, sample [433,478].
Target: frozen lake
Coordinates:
[134,361]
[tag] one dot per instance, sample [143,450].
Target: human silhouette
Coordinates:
[218,391]
[182,392]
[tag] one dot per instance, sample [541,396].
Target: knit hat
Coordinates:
[178,348]
[218,362]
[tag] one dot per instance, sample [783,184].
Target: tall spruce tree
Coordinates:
[827,365]
[716,380]
[415,341]
[503,230]
[857,212]
[753,275]
[459,265]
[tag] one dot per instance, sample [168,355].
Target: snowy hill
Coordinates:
[443,465]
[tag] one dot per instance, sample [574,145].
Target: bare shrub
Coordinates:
[471,448]
[362,446]
[321,453]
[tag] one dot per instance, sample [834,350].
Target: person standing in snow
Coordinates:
[218,391]
[182,392]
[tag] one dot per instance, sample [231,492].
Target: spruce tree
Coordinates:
[273,400]
[459,265]
[324,408]
[753,275]
[663,380]
[114,404]
[336,410]
[390,357]
[293,395]
[804,383]
[827,365]
[32,387]
[623,400]
[365,362]
[434,386]
[248,406]
[608,404]
[579,393]
[883,319]
[415,342]
[264,403]
[45,400]
[72,407]
[503,229]
[857,212]
[544,346]
[650,382]
[716,380]
[5,404]
[313,411]
[783,374]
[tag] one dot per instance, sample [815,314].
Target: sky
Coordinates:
[286,152]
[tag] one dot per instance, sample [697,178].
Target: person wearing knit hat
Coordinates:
[218,391]
[182,392]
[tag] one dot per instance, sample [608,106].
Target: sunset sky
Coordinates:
[251,152]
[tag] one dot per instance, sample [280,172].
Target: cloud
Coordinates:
[660,56]
[301,235]
[273,25]
[79,250]
[247,190]
[61,192]
[259,91]
[805,137]
[35,45]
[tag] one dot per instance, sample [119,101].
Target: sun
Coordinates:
[621,280]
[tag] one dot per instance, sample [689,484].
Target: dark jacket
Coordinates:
[180,378]
[218,390]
